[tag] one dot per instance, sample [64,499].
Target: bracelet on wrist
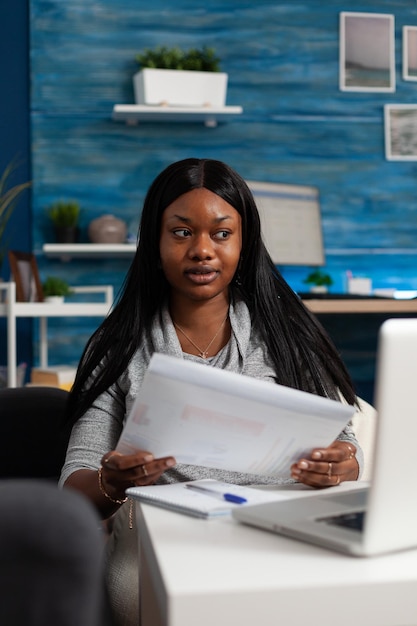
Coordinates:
[104,492]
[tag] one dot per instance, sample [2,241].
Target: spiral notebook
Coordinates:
[180,498]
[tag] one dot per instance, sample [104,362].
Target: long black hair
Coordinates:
[303,354]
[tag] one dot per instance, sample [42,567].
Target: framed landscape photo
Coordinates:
[410,52]
[400,121]
[367,52]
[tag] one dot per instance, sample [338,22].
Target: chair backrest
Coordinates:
[51,565]
[34,441]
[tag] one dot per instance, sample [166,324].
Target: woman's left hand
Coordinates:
[327,467]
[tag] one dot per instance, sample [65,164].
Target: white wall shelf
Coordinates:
[67,251]
[132,114]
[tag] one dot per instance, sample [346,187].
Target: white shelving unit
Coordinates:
[12,310]
[132,114]
[67,251]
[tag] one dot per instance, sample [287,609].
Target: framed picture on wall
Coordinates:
[367,52]
[410,52]
[24,270]
[400,121]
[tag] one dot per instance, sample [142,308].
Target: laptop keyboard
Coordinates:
[354,521]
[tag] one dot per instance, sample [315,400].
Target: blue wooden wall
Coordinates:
[15,145]
[297,126]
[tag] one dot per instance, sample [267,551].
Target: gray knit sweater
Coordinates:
[99,429]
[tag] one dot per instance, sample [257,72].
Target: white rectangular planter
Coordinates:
[180,88]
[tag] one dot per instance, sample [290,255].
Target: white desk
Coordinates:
[42,310]
[220,573]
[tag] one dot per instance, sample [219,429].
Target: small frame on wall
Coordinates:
[400,121]
[410,52]
[367,52]
[25,274]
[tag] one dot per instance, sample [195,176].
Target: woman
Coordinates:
[203,287]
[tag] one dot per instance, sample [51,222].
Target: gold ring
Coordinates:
[338,481]
[329,471]
[144,470]
[352,453]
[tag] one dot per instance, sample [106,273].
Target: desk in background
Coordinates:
[353,324]
[386,306]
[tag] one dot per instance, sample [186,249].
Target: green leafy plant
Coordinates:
[162,57]
[65,213]
[55,286]
[8,201]
[319,278]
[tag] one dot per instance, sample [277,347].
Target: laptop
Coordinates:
[382,516]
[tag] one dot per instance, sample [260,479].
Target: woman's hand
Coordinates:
[120,471]
[327,467]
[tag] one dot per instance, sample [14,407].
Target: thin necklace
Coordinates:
[202,353]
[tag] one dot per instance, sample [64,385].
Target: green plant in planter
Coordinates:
[202,60]
[318,278]
[9,197]
[55,286]
[65,215]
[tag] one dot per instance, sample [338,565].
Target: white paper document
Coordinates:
[206,416]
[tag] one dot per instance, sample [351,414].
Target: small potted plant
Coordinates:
[55,289]
[173,77]
[65,215]
[319,281]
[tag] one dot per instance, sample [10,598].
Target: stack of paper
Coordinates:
[206,416]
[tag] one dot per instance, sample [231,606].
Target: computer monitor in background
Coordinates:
[291,222]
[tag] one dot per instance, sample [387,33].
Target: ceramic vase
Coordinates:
[107,229]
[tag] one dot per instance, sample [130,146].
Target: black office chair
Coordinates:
[51,540]
[34,440]
[52,551]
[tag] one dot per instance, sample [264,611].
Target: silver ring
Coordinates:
[338,481]
[144,470]
[329,471]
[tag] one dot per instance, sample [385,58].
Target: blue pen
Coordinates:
[229,497]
